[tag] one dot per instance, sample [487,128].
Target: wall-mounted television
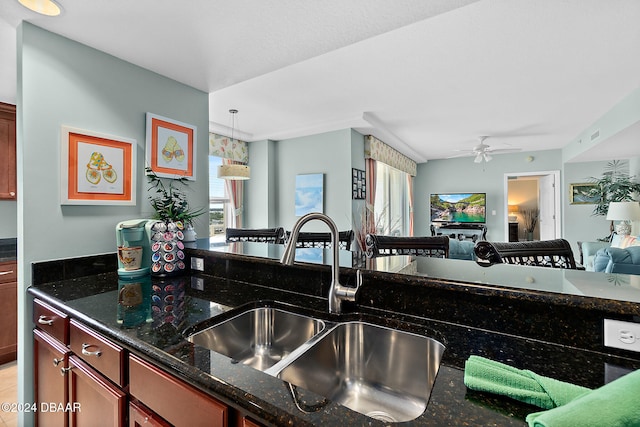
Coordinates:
[458,207]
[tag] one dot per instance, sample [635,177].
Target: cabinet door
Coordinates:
[173,399]
[50,380]
[93,400]
[8,150]
[140,416]
[8,312]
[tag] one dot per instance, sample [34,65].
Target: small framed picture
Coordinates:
[358,182]
[581,194]
[171,147]
[97,169]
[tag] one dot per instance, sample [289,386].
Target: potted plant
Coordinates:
[530,219]
[615,185]
[174,226]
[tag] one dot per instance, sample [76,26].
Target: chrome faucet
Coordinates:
[337,292]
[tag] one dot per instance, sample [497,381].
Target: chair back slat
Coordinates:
[264,235]
[555,253]
[378,245]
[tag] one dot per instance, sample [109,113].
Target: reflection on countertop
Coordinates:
[622,287]
[8,249]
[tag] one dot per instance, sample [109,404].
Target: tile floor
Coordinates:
[8,393]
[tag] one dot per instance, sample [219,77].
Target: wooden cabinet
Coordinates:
[172,399]
[93,400]
[8,311]
[51,360]
[141,416]
[513,231]
[8,187]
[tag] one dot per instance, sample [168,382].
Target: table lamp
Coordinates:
[623,212]
[513,209]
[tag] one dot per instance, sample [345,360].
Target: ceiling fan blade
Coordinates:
[504,150]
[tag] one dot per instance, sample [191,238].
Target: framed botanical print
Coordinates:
[97,169]
[171,147]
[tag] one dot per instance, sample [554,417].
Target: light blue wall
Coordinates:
[327,153]
[578,222]
[462,175]
[62,82]
[8,218]
[261,195]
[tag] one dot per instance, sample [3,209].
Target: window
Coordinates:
[392,201]
[218,203]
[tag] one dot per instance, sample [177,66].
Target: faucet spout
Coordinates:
[337,292]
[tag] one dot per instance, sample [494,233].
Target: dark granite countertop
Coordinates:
[8,249]
[156,334]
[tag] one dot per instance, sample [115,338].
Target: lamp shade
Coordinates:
[233,171]
[513,208]
[623,211]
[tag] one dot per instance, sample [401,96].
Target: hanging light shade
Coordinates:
[233,171]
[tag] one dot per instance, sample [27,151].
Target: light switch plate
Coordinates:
[197,264]
[624,335]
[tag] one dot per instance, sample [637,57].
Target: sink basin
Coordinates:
[380,372]
[259,337]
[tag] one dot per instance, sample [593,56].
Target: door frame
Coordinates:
[557,200]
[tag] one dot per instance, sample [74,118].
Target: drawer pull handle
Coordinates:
[57,361]
[4,273]
[44,320]
[63,371]
[86,352]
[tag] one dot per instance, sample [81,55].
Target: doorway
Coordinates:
[533,190]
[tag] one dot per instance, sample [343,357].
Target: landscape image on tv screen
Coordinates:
[458,207]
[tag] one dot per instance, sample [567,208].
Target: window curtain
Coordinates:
[232,151]
[235,190]
[410,194]
[370,191]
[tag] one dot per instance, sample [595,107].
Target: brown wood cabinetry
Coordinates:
[93,400]
[88,380]
[51,360]
[172,399]
[8,311]
[103,355]
[140,416]
[8,188]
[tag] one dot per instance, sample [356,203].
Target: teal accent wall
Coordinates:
[62,82]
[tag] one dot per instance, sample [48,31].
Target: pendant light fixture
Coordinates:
[233,171]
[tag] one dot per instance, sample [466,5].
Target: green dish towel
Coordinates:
[490,376]
[616,404]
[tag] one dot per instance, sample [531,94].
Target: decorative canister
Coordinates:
[167,249]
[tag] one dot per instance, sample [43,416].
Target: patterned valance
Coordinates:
[378,150]
[225,147]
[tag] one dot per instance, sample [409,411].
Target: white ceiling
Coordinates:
[428,77]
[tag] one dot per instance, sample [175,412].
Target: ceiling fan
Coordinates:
[482,151]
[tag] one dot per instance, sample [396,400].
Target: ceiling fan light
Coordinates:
[478,158]
[487,157]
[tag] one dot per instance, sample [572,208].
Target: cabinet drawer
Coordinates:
[52,321]
[173,399]
[8,272]
[99,352]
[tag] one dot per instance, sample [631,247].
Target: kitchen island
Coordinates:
[232,283]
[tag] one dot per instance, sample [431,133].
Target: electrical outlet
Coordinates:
[197,283]
[197,264]
[624,335]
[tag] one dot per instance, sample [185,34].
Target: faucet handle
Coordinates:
[349,294]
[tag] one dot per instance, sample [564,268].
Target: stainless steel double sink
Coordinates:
[380,372]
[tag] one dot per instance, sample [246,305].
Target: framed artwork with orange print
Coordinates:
[171,147]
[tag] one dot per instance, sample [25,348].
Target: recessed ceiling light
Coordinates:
[44,7]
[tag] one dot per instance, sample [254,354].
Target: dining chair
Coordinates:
[555,253]
[264,235]
[378,245]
